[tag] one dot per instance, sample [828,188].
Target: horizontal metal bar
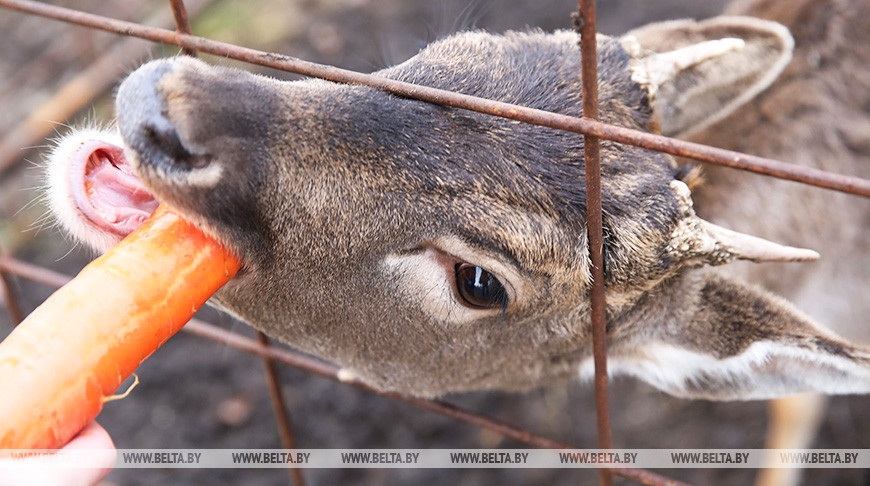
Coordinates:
[682,148]
[39,274]
[286,356]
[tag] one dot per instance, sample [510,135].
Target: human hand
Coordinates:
[92,438]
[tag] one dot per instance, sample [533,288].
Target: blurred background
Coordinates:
[198,394]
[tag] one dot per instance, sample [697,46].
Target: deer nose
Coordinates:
[144,124]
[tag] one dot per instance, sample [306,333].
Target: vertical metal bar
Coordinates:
[10,299]
[182,23]
[282,415]
[589,52]
[279,406]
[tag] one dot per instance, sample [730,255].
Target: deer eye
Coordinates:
[478,288]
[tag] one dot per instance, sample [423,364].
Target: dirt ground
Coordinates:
[198,394]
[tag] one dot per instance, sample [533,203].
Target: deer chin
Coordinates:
[94,191]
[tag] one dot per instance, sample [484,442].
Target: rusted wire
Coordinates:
[182,23]
[316,367]
[589,68]
[7,291]
[283,419]
[681,148]
[33,272]
[279,406]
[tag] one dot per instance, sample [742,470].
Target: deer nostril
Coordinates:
[165,141]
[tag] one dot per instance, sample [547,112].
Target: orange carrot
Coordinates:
[59,365]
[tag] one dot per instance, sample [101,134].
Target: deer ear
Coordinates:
[696,73]
[723,340]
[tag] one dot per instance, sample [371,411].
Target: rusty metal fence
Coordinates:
[591,129]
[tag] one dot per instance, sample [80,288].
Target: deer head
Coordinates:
[429,249]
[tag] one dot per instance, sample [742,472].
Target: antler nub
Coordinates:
[706,243]
[746,247]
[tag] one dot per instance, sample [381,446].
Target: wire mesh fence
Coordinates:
[586,126]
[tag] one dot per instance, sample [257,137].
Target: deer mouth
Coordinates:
[107,190]
[94,190]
